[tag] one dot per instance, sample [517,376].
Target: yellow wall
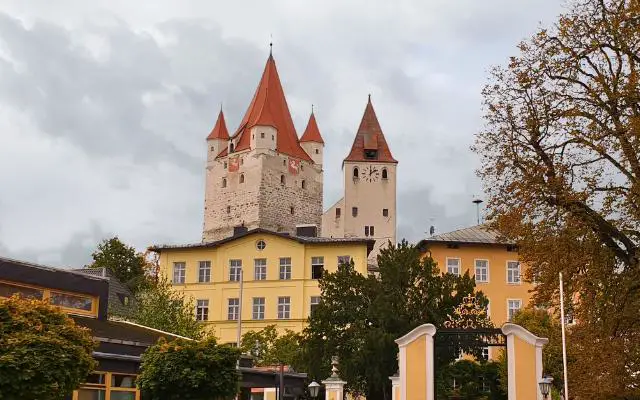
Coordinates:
[496,289]
[525,363]
[300,287]
[417,369]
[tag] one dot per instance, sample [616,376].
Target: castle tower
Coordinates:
[368,208]
[311,141]
[262,177]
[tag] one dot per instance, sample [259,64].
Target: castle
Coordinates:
[265,176]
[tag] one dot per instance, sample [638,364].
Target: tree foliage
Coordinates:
[269,348]
[162,307]
[44,355]
[124,263]
[360,317]
[189,370]
[561,164]
[474,381]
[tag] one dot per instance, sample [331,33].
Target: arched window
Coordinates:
[261,135]
[282,179]
[384,173]
[224,182]
[356,173]
[304,184]
[317,151]
[241,178]
[230,147]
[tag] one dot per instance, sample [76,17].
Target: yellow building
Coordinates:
[279,275]
[482,253]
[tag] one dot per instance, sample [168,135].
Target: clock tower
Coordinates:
[368,208]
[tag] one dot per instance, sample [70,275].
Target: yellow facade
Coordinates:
[300,287]
[496,287]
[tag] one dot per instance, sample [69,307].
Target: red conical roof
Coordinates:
[269,107]
[370,138]
[312,133]
[219,130]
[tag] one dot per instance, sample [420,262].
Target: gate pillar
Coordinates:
[524,362]
[416,365]
[334,385]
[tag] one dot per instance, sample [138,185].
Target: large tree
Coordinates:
[268,348]
[158,305]
[189,370]
[360,317]
[561,165]
[44,355]
[126,265]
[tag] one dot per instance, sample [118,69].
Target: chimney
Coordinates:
[239,230]
[308,230]
[432,230]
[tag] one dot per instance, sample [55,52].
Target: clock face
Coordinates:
[371,173]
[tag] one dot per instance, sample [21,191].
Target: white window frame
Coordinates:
[258,308]
[317,261]
[179,274]
[207,271]
[259,269]
[285,268]
[314,301]
[510,317]
[519,282]
[235,270]
[475,267]
[284,307]
[233,310]
[459,265]
[202,310]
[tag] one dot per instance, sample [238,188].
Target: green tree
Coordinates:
[560,155]
[162,307]
[474,381]
[44,355]
[269,348]
[122,261]
[360,317]
[189,370]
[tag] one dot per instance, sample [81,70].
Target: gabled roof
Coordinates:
[370,137]
[479,234]
[299,239]
[219,130]
[269,107]
[312,133]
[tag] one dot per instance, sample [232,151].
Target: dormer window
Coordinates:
[371,154]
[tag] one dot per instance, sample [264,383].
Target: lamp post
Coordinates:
[314,389]
[545,385]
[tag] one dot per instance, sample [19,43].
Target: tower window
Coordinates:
[369,231]
[385,212]
[230,147]
[261,135]
[228,209]
[241,161]
[292,210]
[354,211]
[356,173]
[317,151]
[225,165]
[241,178]
[224,182]
[213,149]
[273,137]
[304,184]
[384,174]
[282,181]
[284,162]
[338,212]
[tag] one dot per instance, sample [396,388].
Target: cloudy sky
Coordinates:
[105,104]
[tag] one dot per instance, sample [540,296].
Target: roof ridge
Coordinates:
[49,268]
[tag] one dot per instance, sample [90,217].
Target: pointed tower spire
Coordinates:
[312,133]
[370,143]
[269,107]
[219,130]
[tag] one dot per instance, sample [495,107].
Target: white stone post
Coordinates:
[334,385]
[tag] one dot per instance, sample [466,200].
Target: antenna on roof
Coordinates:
[477,202]
[311,108]
[270,44]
